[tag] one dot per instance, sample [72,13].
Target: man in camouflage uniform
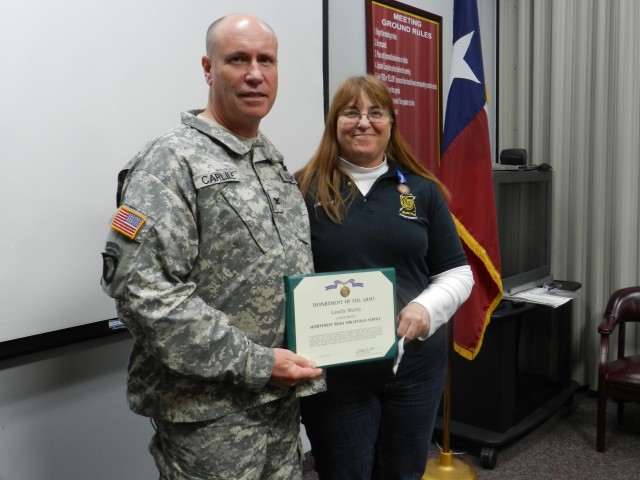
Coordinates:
[209,221]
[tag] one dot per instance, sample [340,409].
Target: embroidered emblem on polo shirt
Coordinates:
[407,206]
[407,201]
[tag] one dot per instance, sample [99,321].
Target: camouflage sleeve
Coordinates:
[148,277]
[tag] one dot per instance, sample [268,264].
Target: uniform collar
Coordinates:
[262,148]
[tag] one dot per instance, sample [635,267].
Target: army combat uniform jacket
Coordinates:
[207,226]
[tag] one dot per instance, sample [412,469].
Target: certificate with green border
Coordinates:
[338,318]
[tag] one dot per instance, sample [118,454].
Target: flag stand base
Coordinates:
[447,467]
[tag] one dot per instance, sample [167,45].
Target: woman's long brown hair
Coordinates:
[320,178]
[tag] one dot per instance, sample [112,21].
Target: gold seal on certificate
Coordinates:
[337,318]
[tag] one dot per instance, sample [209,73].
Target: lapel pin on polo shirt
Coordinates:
[403,188]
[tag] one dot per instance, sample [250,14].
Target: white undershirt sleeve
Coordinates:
[444,295]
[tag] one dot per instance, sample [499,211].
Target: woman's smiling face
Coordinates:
[363,132]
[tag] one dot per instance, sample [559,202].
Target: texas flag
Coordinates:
[466,169]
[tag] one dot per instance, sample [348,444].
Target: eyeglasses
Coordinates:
[351,115]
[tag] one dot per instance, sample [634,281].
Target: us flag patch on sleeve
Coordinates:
[127,222]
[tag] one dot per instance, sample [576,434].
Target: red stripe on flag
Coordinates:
[466,169]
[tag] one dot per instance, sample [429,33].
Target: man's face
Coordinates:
[242,74]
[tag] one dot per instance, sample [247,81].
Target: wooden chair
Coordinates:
[620,378]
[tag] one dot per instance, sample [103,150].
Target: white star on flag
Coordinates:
[460,68]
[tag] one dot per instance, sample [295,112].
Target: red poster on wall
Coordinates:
[404,47]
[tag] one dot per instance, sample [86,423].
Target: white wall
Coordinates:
[63,412]
[64,416]
[84,86]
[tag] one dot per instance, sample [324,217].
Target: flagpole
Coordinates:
[445,466]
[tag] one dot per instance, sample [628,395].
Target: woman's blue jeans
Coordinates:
[378,430]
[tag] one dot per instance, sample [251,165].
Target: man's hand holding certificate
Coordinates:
[338,318]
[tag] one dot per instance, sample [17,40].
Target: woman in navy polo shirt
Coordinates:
[372,204]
